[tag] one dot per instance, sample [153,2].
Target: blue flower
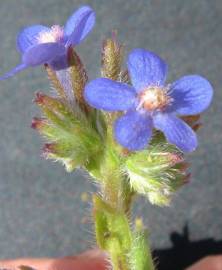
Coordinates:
[39,44]
[149,103]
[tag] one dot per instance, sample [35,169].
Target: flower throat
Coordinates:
[154,98]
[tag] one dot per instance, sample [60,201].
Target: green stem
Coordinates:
[112,232]
[127,249]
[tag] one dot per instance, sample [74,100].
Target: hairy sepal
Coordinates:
[72,137]
[157,172]
[78,78]
[112,56]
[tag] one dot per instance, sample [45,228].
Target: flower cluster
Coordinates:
[140,95]
[149,103]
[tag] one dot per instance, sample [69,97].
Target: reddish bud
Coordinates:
[39,98]
[69,54]
[125,152]
[187,178]
[193,121]
[175,158]
[37,123]
[184,166]
[73,58]
[197,126]
[49,148]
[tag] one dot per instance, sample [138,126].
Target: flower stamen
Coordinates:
[154,98]
[55,34]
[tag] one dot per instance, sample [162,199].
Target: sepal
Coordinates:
[112,56]
[78,78]
[157,172]
[55,82]
[193,121]
[72,138]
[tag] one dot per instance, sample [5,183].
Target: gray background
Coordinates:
[41,212]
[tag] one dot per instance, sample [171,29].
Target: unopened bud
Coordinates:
[186,178]
[39,98]
[197,126]
[49,148]
[38,123]
[112,55]
[157,173]
[78,78]
[174,158]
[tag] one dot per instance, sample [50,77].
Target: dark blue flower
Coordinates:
[39,44]
[149,103]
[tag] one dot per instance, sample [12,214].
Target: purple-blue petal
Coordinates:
[59,63]
[14,71]
[176,131]
[28,37]
[133,130]
[191,95]
[79,25]
[146,68]
[42,53]
[109,95]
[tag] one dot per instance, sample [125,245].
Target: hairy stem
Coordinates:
[112,217]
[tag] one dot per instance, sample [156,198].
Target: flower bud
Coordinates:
[78,78]
[157,172]
[55,82]
[72,138]
[112,55]
[38,123]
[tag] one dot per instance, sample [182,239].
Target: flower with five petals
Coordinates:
[39,44]
[149,103]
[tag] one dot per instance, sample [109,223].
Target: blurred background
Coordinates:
[44,210]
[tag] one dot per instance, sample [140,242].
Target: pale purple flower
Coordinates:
[39,44]
[149,103]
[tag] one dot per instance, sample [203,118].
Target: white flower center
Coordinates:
[154,98]
[55,34]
